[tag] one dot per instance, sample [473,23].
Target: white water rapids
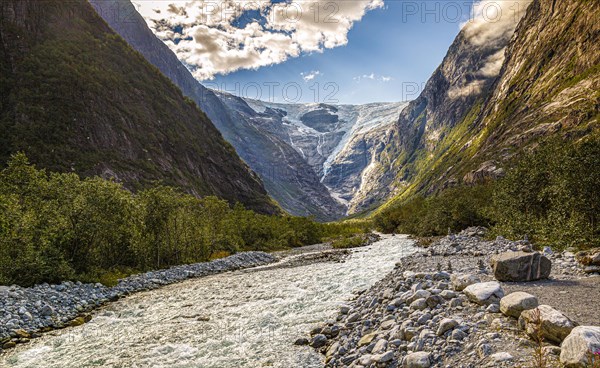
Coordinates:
[255,316]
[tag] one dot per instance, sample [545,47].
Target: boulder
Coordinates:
[591,269]
[9,345]
[577,347]
[484,293]
[77,322]
[418,304]
[501,357]
[420,359]
[513,304]
[521,266]
[460,282]
[555,326]
[493,308]
[380,346]
[47,310]
[301,341]
[22,333]
[384,357]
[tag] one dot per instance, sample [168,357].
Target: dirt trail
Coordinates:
[578,299]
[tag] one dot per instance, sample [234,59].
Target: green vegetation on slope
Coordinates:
[57,226]
[551,194]
[77,98]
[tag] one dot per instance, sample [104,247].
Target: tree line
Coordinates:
[58,226]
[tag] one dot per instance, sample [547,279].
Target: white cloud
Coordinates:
[493,64]
[310,75]
[491,27]
[206,35]
[494,21]
[373,77]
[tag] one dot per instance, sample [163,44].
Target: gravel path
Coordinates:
[578,299]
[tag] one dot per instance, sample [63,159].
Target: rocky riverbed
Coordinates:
[245,318]
[25,312]
[442,307]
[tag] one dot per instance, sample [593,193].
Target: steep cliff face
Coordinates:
[123,18]
[461,132]
[261,140]
[76,97]
[550,82]
[430,123]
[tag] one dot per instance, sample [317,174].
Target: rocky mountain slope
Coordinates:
[286,176]
[498,91]
[503,85]
[76,97]
[337,141]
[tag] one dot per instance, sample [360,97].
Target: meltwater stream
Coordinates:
[254,316]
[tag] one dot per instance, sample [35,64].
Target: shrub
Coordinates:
[552,194]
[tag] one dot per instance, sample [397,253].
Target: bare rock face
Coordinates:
[487,171]
[257,137]
[521,266]
[513,304]
[555,326]
[577,347]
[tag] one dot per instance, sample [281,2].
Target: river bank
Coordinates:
[420,315]
[26,312]
[245,318]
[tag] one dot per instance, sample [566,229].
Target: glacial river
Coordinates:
[238,319]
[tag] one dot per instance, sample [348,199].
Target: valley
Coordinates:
[149,221]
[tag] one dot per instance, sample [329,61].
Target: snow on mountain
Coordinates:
[337,141]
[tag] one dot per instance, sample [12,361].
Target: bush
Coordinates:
[453,209]
[552,194]
[351,241]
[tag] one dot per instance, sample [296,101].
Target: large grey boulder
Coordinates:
[521,266]
[420,359]
[318,341]
[577,347]
[513,304]
[555,326]
[484,293]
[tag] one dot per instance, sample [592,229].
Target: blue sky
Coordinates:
[383,44]
[379,51]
